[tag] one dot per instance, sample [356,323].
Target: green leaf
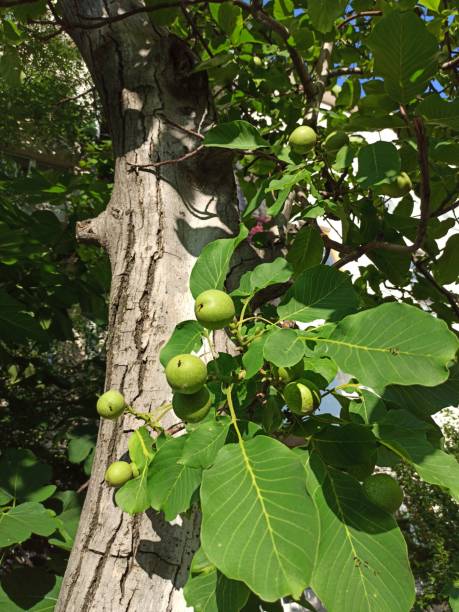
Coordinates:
[284,347]
[425,400]
[23,477]
[264,275]
[324,13]
[306,250]
[134,496]
[345,446]
[29,588]
[213,592]
[319,293]
[369,409]
[18,524]
[393,344]
[82,441]
[377,161]
[253,359]
[405,54]
[68,519]
[229,18]
[362,562]
[140,445]
[406,435]
[446,268]
[16,326]
[258,522]
[235,135]
[437,111]
[212,266]
[431,4]
[172,484]
[202,445]
[186,338]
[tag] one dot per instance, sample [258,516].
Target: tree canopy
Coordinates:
[341,120]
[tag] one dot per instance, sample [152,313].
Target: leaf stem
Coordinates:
[229,399]
[149,419]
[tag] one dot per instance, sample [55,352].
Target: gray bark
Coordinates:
[157,222]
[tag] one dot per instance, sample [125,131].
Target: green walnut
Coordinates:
[287,375]
[214,309]
[301,396]
[111,404]
[398,187]
[186,373]
[384,491]
[192,408]
[118,473]
[257,61]
[335,140]
[302,139]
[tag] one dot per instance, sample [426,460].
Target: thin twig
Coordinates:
[183,129]
[196,31]
[448,295]
[345,70]
[11,3]
[450,64]
[166,162]
[70,98]
[353,16]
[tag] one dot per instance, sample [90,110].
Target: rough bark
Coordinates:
[157,222]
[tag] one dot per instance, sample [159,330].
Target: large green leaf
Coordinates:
[68,518]
[23,477]
[405,54]
[446,268]
[406,435]
[258,522]
[15,325]
[324,13]
[18,524]
[377,161]
[202,445]
[213,592]
[437,111]
[284,347]
[29,588]
[264,275]
[425,400]
[393,344]
[172,484]
[345,446]
[319,293]
[212,266]
[362,562]
[306,250]
[186,337]
[235,135]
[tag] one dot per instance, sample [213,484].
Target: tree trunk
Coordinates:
[157,222]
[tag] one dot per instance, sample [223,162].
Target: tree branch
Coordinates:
[166,162]
[11,3]
[450,64]
[353,16]
[448,295]
[253,9]
[345,70]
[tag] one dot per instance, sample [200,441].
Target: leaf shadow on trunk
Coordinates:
[170,556]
